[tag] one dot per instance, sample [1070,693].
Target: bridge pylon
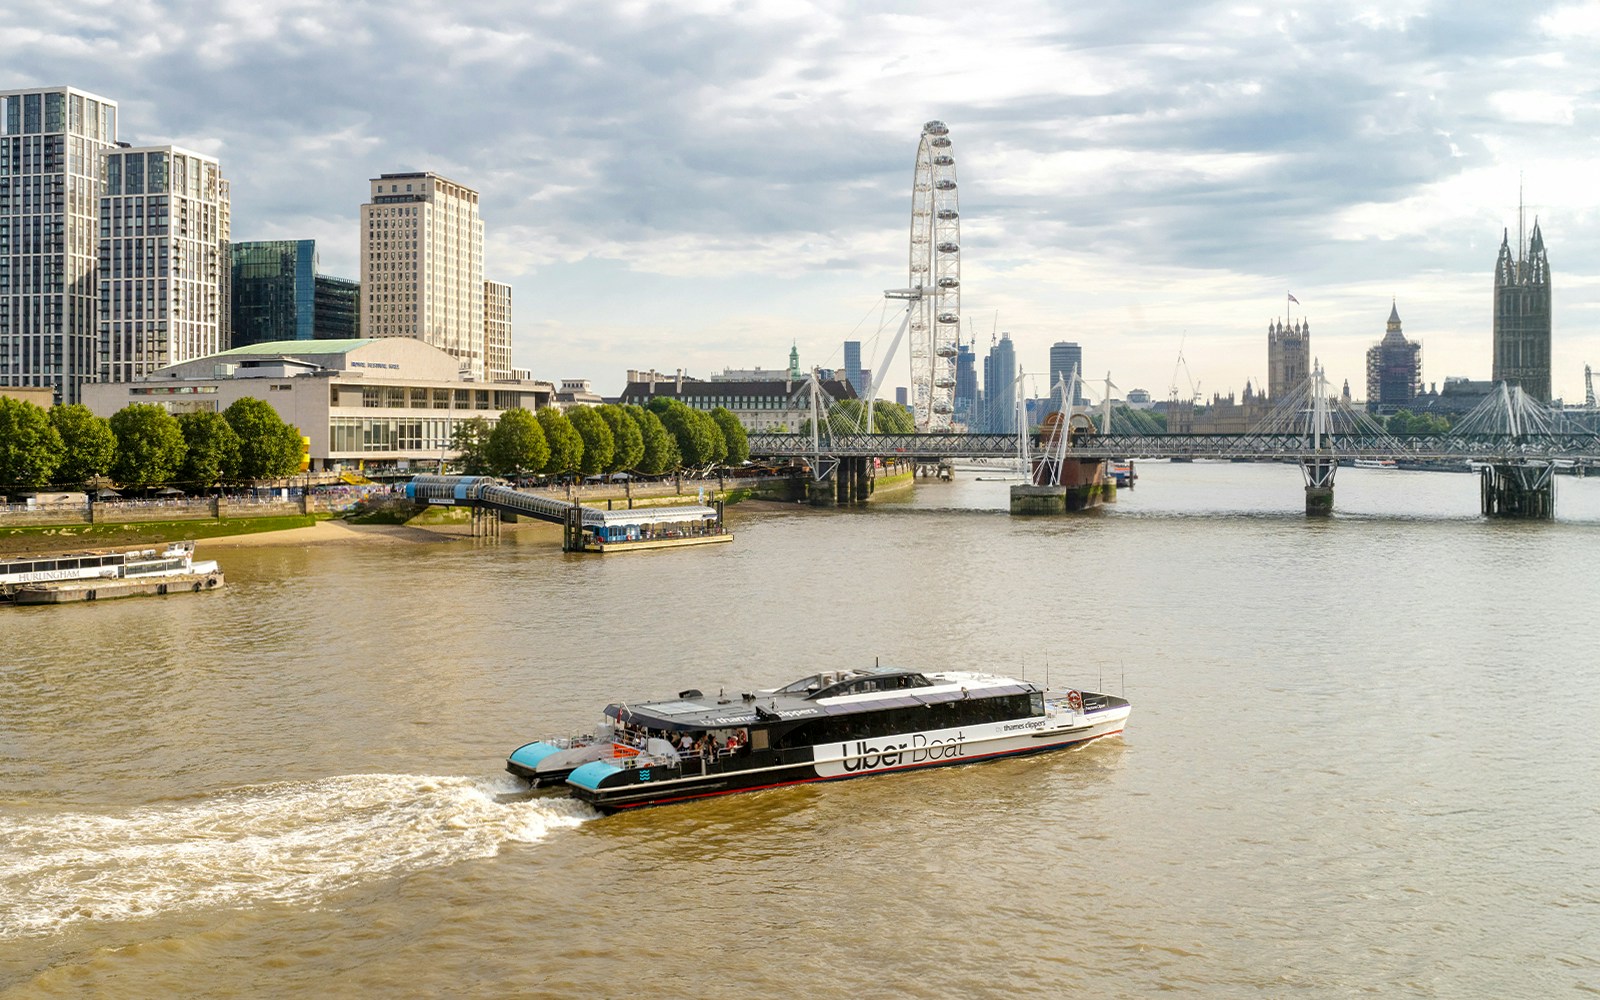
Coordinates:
[1519,489]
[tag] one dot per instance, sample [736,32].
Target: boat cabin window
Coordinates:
[758,739]
[1036,702]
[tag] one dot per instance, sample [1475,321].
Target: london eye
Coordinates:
[935,281]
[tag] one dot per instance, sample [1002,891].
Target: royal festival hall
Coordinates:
[370,404]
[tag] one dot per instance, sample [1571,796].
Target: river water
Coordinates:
[1362,760]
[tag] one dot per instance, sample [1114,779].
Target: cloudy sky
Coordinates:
[700,184]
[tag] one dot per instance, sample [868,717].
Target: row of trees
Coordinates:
[601,440]
[142,446]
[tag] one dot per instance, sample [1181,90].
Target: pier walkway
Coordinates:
[584,529]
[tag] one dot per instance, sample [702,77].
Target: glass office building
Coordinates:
[278,295]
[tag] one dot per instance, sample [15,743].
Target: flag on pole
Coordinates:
[1293,299]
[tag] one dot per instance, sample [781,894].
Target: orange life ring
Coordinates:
[1075,701]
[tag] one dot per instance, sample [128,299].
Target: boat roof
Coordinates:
[833,693]
[649,515]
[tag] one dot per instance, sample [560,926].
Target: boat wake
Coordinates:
[291,842]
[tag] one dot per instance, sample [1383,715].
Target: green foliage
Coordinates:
[517,444]
[566,444]
[268,447]
[892,418]
[469,439]
[30,446]
[660,454]
[211,452]
[150,446]
[1407,423]
[626,438]
[599,447]
[1125,418]
[88,445]
[733,435]
[697,436]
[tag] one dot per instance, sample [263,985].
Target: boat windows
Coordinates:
[917,718]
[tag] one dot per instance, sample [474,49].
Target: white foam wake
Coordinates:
[288,842]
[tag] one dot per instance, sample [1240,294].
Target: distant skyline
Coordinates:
[702,184]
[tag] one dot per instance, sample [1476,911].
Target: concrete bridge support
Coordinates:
[1319,474]
[1521,490]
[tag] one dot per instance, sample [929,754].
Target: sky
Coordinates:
[701,184]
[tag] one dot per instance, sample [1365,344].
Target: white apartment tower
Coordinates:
[165,268]
[52,142]
[422,265]
[497,331]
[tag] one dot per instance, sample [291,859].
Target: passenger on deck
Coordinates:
[685,743]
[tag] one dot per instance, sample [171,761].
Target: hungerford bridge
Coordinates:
[1516,443]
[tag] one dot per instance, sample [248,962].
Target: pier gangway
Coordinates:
[585,529]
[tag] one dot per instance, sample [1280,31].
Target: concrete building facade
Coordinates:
[52,168]
[390,403]
[766,405]
[497,331]
[422,265]
[165,272]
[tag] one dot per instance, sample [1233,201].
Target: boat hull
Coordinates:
[613,786]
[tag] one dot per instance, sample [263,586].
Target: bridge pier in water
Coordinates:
[1319,474]
[1520,490]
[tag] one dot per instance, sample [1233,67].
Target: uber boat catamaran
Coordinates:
[828,726]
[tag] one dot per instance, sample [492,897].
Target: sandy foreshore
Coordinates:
[339,532]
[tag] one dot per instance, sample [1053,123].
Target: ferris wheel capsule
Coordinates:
[945,185]
[949,247]
[943,160]
[949,317]
[935,127]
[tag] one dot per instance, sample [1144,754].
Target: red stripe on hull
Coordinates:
[977,758]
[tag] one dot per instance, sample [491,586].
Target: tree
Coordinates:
[892,418]
[566,444]
[150,446]
[211,449]
[470,441]
[660,454]
[30,446]
[268,447]
[627,439]
[698,439]
[88,445]
[598,445]
[733,435]
[517,444]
